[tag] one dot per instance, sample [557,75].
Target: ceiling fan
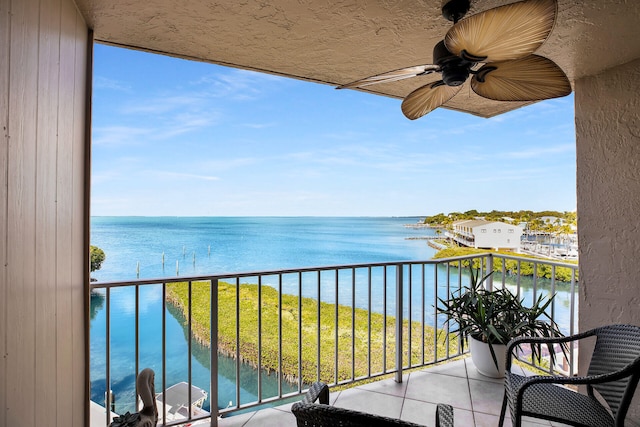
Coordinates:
[496,47]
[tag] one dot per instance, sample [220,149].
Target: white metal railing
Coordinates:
[402,329]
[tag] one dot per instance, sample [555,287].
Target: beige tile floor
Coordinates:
[476,399]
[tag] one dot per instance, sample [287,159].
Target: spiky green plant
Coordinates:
[497,316]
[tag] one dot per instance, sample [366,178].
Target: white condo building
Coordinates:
[483,234]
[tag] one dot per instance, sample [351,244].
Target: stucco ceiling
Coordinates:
[338,41]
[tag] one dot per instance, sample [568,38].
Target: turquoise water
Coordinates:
[232,244]
[134,247]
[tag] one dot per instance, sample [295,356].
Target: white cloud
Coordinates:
[238,85]
[540,152]
[182,175]
[229,163]
[100,82]
[119,134]
[260,125]
[162,104]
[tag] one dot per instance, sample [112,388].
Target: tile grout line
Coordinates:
[473,412]
[249,419]
[404,395]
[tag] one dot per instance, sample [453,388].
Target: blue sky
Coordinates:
[176,137]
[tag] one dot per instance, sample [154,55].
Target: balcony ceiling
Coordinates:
[338,41]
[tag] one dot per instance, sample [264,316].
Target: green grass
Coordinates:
[562,274]
[177,294]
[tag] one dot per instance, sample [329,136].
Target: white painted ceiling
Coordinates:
[338,41]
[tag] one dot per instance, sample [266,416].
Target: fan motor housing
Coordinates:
[455,70]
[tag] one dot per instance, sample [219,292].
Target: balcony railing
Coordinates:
[260,338]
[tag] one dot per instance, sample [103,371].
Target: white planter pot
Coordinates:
[481,356]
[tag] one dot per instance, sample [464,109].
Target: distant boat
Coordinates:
[177,403]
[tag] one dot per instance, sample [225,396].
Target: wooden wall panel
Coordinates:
[43,225]
[80,227]
[4,163]
[23,107]
[64,184]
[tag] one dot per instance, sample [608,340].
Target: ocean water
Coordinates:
[238,244]
[163,247]
[158,247]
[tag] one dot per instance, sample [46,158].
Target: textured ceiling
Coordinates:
[339,41]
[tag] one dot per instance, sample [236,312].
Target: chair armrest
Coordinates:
[543,340]
[444,415]
[586,379]
[318,390]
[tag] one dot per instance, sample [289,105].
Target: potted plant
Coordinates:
[491,318]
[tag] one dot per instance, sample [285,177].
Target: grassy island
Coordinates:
[177,294]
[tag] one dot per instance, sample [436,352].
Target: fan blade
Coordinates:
[532,78]
[427,98]
[392,76]
[503,33]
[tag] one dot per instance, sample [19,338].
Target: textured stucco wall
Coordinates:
[608,190]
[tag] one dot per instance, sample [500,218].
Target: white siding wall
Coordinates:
[497,235]
[43,245]
[608,181]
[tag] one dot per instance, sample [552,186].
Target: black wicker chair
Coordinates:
[310,414]
[613,372]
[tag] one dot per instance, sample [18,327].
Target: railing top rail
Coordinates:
[222,276]
[219,276]
[538,260]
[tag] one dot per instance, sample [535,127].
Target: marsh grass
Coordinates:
[563,274]
[353,329]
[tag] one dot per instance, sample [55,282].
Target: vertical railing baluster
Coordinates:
[384,320]
[299,332]
[399,296]
[107,393]
[259,339]
[189,349]
[535,280]
[460,337]
[410,309]
[553,305]
[335,350]
[572,370]
[534,296]
[353,324]
[488,271]
[553,291]
[319,325]
[369,325]
[164,353]
[237,361]
[423,310]
[137,344]
[280,335]
[213,352]
[446,329]
[518,281]
[435,313]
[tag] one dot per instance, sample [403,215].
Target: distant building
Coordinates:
[483,234]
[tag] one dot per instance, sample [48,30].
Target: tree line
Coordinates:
[564,223]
